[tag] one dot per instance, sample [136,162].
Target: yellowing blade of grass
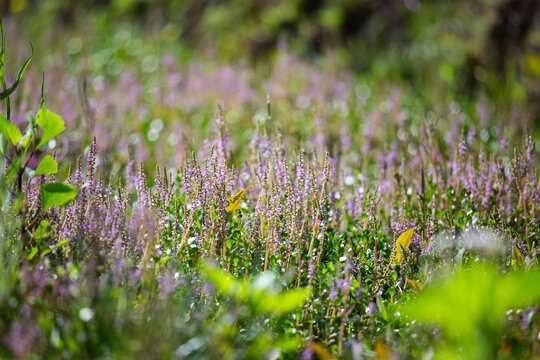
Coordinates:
[321,351]
[383,353]
[402,243]
[415,284]
[234,202]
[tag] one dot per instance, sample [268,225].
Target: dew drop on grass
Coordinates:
[74,45]
[150,64]
[260,117]
[122,38]
[133,139]
[86,314]
[98,84]
[115,67]
[152,135]
[157,124]
[173,139]
[134,47]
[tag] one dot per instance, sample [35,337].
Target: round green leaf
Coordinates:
[57,194]
[47,166]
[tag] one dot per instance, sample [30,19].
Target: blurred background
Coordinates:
[153,72]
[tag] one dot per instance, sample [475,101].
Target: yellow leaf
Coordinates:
[383,353]
[517,256]
[415,284]
[533,64]
[321,351]
[402,243]
[17,5]
[506,347]
[234,202]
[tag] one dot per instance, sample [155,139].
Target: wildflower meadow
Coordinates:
[225,180]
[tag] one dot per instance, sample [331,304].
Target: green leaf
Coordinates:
[33,253]
[53,247]
[8,102]
[51,124]
[47,166]
[283,303]
[9,91]
[3,143]
[10,130]
[470,305]
[14,168]
[57,194]
[262,293]
[29,134]
[43,231]
[26,141]
[224,282]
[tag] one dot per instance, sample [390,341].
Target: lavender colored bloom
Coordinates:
[471,135]
[503,144]
[307,354]
[526,318]
[462,148]
[311,269]
[21,337]
[358,294]
[142,190]
[371,309]
[343,285]
[333,294]
[167,285]
[91,164]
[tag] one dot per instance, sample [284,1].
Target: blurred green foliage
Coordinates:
[470,307]
[465,51]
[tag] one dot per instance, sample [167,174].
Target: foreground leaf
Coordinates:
[32,253]
[47,166]
[470,306]
[283,303]
[224,282]
[57,194]
[51,124]
[54,247]
[10,130]
[43,231]
[262,293]
[14,168]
